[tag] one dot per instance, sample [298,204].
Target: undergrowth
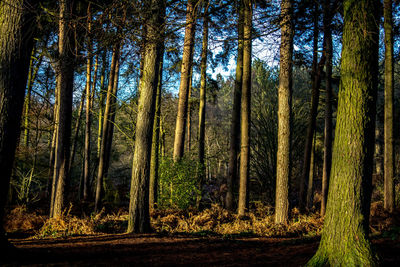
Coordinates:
[214,221]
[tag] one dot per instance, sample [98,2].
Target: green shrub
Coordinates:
[178,183]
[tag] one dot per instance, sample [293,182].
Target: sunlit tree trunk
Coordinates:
[389,171]
[139,219]
[106,125]
[16,42]
[86,168]
[102,93]
[328,103]
[284,114]
[235,120]
[187,59]
[33,70]
[245,111]
[344,240]
[202,100]
[65,81]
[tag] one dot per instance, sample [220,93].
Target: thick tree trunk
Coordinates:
[235,121]
[16,42]
[65,82]
[389,171]
[344,240]
[245,111]
[202,100]
[284,114]
[107,116]
[328,104]
[187,59]
[139,219]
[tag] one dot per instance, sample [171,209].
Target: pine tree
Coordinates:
[16,43]
[344,240]
[284,114]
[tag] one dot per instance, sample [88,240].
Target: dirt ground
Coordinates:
[156,250]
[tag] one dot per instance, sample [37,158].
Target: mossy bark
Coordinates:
[389,196]
[235,120]
[344,240]
[284,114]
[245,111]
[16,42]
[139,218]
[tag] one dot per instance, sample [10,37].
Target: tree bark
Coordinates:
[154,162]
[245,111]
[202,100]
[328,103]
[389,171]
[107,116]
[235,121]
[86,168]
[284,114]
[344,240]
[16,42]
[316,81]
[187,60]
[65,82]
[139,219]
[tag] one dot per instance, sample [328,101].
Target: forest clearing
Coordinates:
[200,132]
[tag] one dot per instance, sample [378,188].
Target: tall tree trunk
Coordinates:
[65,82]
[102,93]
[344,240]
[110,132]
[77,128]
[310,185]
[202,104]
[245,110]
[189,114]
[328,103]
[86,168]
[313,115]
[139,219]
[389,171]
[106,125]
[235,121]
[154,162]
[187,60]
[16,42]
[33,70]
[284,114]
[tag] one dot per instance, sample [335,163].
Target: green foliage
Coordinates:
[26,185]
[178,183]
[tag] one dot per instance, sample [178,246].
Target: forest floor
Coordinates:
[176,249]
[214,237]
